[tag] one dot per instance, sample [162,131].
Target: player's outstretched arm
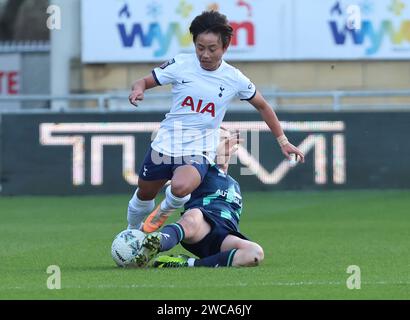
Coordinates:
[228,145]
[139,87]
[269,116]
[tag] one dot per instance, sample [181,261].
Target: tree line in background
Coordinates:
[24,20]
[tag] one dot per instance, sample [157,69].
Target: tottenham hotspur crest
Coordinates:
[221,89]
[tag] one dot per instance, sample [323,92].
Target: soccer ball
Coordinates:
[126,246]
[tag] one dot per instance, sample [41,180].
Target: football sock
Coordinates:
[171,235]
[137,210]
[221,259]
[171,202]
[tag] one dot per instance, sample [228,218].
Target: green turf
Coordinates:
[309,238]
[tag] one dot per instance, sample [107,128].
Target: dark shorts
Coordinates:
[211,243]
[157,166]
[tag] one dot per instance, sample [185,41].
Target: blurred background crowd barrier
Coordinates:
[336,72]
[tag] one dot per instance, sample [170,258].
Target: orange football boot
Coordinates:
[154,221]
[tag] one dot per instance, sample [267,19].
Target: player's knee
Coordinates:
[180,188]
[258,253]
[255,254]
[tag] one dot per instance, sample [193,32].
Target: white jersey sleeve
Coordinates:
[246,89]
[168,71]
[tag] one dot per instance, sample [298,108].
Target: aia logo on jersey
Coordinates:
[209,107]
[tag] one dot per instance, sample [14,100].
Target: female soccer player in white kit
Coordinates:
[203,85]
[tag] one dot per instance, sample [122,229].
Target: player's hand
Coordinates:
[135,96]
[228,146]
[289,149]
[229,143]
[232,144]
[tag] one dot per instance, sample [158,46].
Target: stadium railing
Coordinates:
[393,100]
[25,46]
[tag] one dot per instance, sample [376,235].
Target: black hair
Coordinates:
[212,21]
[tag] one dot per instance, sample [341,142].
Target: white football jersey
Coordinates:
[200,99]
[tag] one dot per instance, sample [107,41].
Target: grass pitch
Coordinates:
[309,238]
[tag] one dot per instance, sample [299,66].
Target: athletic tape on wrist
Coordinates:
[282,140]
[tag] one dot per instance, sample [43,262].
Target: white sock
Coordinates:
[137,210]
[191,262]
[171,202]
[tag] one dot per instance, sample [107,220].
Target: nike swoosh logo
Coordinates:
[183,81]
